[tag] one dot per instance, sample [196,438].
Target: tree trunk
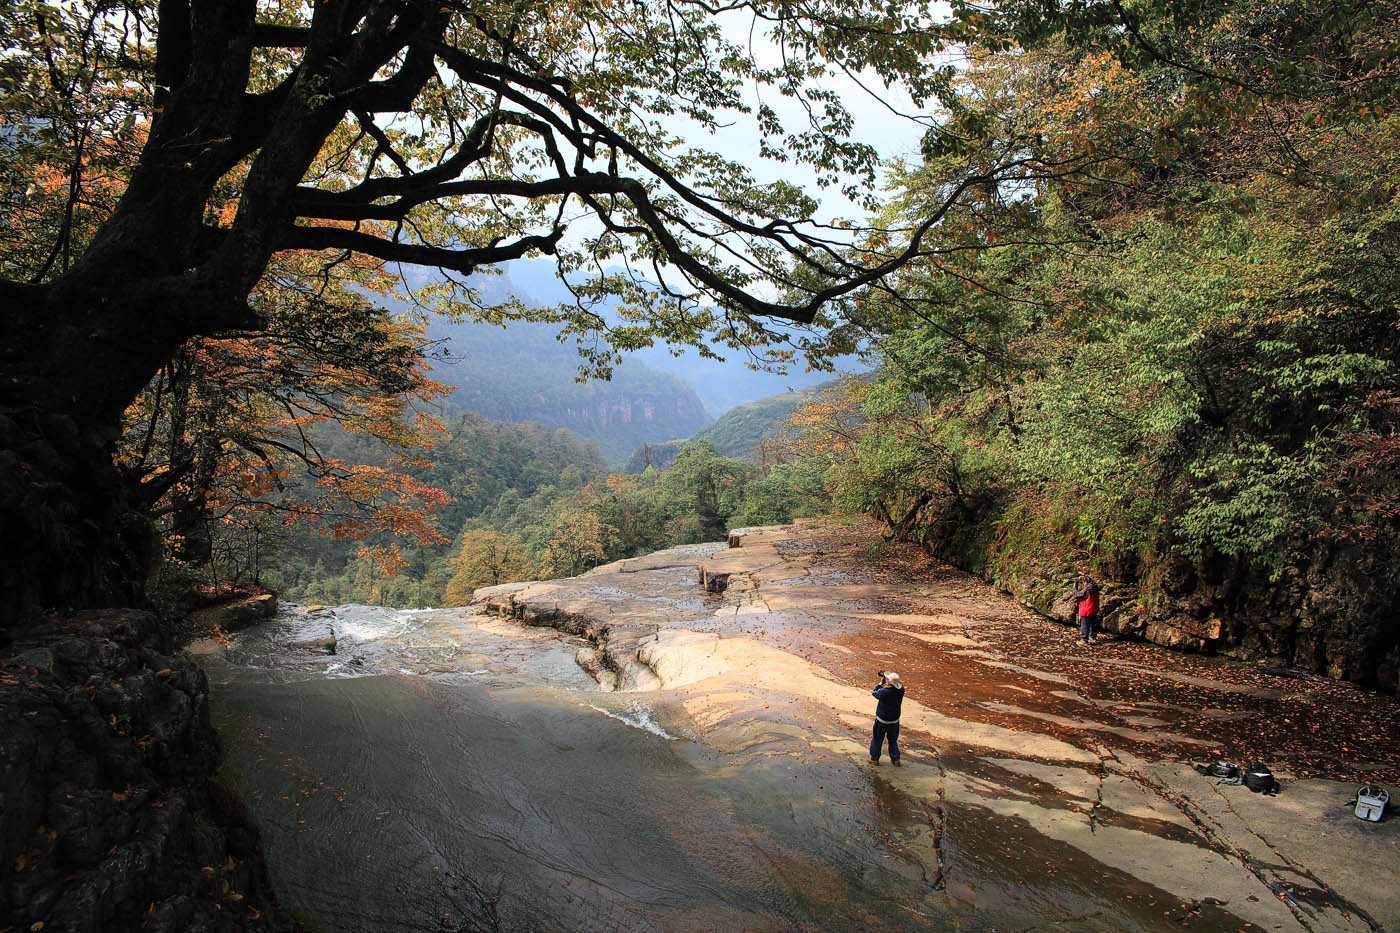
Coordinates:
[75,352]
[76,534]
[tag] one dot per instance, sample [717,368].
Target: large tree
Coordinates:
[447,134]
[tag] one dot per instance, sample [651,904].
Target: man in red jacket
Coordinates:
[1086,596]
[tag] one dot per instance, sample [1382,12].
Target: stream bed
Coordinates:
[449,770]
[440,770]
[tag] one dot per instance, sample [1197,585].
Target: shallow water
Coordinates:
[438,770]
[434,774]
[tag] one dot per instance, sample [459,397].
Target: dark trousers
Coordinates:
[883,731]
[1088,627]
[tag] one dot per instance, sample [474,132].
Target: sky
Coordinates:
[885,118]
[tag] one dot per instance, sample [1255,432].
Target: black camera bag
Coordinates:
[1258,778]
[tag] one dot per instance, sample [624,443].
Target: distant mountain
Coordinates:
[720,385]
[736,433]
[522,373]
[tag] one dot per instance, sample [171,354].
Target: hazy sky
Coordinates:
[884,118]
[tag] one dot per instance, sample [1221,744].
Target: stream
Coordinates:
[416,770]
[448,769]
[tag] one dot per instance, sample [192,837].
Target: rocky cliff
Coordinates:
[1336,613]
[110,817]
[522,373]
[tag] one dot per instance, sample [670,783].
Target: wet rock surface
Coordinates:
[235,614]
[109,816]
[1037,770]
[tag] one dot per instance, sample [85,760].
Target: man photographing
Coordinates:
[890,692]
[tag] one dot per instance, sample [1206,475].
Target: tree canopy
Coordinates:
[162,153]
[454,135]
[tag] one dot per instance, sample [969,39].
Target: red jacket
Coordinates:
[1088,599]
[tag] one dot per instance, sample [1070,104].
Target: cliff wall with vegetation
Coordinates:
[1333,614]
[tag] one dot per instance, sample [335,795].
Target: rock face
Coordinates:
[1016,739]
[1335,614]
[109,815]
[614,631]
[235,615]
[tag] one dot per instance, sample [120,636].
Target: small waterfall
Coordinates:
[417,770]
[444,770]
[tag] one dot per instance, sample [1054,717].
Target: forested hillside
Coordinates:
[1179,370]
[532,502]
[740,431]
[523,373]
[476,464]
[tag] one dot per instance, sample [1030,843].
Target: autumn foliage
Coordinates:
[1176,361]
[226,442]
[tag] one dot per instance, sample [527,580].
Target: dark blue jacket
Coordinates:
[891,699]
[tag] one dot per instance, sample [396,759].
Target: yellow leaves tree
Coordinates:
[829,426]
[226,443]
[486,558]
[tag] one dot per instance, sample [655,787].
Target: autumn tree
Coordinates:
[224,441]
[442,134]
[574,541]
[880,449]
[485,558]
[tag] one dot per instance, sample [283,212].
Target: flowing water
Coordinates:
[439,770]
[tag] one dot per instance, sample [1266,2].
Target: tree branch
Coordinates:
[459,260]
[273,36]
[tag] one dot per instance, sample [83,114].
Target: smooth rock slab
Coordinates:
[785,654]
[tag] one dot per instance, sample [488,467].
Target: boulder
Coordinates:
[110,818]
[236,614]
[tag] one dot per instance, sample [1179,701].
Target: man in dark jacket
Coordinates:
[890,692]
